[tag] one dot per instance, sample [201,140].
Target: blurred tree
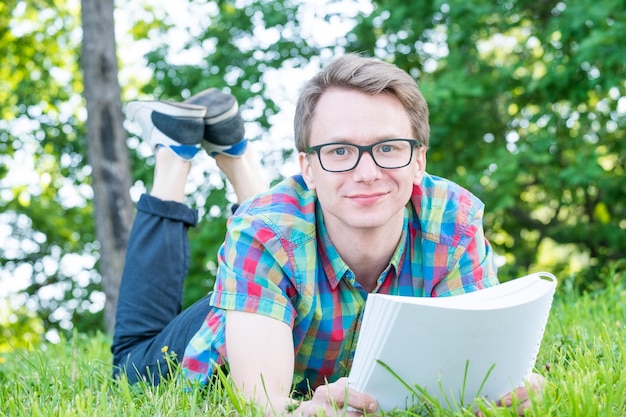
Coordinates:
[528,110]
[18,329]
[48,248]
[239,44]
[107,150]
[47,215]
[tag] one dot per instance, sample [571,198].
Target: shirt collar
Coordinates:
[398,255]
[335,268]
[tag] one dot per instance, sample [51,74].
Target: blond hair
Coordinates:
[370,76]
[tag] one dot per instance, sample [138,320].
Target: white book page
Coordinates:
[431,341]
[376,317]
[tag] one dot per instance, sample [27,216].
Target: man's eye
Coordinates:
[337,151]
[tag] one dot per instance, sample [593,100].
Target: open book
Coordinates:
[480,344]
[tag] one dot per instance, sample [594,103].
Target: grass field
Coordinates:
[583,357]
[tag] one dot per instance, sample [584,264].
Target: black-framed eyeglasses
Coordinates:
[386,154]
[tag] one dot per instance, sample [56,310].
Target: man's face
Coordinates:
[366,197]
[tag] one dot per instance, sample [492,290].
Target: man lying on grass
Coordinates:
[299,259]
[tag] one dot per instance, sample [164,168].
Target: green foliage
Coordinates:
[74,378]
[527,111]
[45,203]
[18,329]
[583,357]
[586,336]
[236,59]
[204,243]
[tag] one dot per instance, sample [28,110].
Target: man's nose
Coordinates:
[366,168]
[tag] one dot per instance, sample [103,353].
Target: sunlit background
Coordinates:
[550,167]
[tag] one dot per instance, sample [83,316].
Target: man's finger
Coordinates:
[521,394]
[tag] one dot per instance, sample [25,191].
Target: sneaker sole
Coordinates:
[205,100]
[167,108]
[233,151]
[179,127]
[232,112]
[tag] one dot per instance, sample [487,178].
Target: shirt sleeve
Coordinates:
[472,264]
[254,269]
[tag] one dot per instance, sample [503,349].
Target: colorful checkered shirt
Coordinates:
[278,260]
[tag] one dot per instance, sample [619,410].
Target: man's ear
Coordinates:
[306,170]
[420,160]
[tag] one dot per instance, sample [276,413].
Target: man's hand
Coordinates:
[521,395]
[261,367]
[331,400]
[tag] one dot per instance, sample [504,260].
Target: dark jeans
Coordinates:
[149,313]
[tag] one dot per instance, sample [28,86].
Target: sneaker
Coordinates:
[175,125]
[224,130]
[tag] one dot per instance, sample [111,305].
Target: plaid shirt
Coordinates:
[278,260]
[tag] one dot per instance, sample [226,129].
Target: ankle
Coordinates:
[244,173]
[170,175]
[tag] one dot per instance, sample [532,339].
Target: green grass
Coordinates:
[583,357]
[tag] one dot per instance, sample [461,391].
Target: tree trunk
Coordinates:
[107,151]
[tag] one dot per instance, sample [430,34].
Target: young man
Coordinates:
[299,259]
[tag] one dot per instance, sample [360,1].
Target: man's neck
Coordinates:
[366,251]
